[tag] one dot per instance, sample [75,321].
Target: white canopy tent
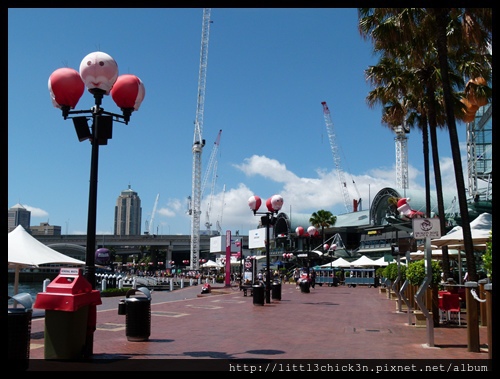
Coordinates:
[210,264]
[363,261]
[340,262]
[480,230]
[380,262]
[27,251]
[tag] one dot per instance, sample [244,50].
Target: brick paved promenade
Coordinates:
[329,323]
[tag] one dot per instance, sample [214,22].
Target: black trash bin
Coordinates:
[19,330]
[258,294]
[137,311]
[276,290]
[304,286]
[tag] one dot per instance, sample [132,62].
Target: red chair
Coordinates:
[443,316]
[451,305]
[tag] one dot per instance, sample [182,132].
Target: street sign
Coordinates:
[426,228]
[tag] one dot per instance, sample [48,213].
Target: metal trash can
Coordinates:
[304,286]
[258,294]
[276,290]
[19,330]
[137,311]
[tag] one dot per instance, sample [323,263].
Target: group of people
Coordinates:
[300,275]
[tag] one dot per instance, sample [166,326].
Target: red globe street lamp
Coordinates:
[99,73]
[273,204]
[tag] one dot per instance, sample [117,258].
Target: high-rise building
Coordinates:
[18,215]
[46,229]
[128,214]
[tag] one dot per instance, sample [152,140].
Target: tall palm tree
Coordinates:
[394,29]
[464,27]
[322,219]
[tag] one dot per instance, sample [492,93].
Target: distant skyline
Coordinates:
[268,71]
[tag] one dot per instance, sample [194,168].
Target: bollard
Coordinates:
[472,318]
[489,311]
[103,285]
[171,284]
[46,282]
[191,282]
[482,306]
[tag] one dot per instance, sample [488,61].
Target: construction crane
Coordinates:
[208,224]
[219,222]
[151,231]
[198,143]
[211,170]
[211,164]
[336,158]
[401,141]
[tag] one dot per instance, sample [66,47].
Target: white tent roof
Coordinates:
[363,261]
[210,263]
[436,254]
[480,230]
[380,262]
[27,251]
[340,262]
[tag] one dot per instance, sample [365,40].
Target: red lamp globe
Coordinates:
[312,231]
[274,203]
[254,202]
[66,87]
[128,92]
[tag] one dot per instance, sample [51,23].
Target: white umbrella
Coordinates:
[27,251]
[480,230]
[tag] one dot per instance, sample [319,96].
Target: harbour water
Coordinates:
[33,288]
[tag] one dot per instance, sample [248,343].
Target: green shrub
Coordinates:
[391,271]
[415,273]
[486,257]
[109,292]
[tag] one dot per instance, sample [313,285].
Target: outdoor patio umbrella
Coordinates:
[480,230]
[27,251]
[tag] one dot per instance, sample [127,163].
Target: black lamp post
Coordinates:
[273,205]
[99,73]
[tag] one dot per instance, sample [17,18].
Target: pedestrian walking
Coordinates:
[296,277]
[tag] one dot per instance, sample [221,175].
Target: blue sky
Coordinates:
[268,72]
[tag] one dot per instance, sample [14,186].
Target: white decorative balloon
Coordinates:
[99,71]
[312,231]
[274,203]
[254,202]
